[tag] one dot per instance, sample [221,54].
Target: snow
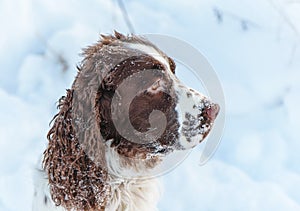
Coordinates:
[257,164]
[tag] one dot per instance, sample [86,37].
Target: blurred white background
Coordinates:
[254,48]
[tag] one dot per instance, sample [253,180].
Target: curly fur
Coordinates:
[75,180]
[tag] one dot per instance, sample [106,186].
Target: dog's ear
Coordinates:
[69,168]
[59,148]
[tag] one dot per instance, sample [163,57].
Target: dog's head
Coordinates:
[144,112]
[125,114]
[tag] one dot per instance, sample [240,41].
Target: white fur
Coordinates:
[187,104]
[118,165]
[150,51]
[135,195]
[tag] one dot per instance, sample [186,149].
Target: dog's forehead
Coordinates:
[149,49]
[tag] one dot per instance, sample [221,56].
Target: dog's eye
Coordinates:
[155,85]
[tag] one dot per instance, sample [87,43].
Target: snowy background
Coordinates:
[254,48]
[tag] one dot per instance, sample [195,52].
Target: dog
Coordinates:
[124,116]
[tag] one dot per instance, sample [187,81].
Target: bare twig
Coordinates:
[289,23]
[60,58]
[126,16]
[285,17]
[245,23]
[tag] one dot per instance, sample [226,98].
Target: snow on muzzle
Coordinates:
[196,114]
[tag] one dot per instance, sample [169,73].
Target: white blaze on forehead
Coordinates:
[151,51]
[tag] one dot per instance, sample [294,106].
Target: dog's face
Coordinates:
[145,111]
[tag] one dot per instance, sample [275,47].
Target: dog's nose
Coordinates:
[213,111]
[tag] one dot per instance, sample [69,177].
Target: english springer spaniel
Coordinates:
[124,116]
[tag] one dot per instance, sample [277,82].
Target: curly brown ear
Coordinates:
[73,177]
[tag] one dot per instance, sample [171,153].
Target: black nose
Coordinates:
[213,111]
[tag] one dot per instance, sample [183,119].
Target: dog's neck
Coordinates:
[130,194]
[135,195]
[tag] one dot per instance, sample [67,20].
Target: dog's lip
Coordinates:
[213,111]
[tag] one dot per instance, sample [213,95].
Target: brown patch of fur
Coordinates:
[140,109]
